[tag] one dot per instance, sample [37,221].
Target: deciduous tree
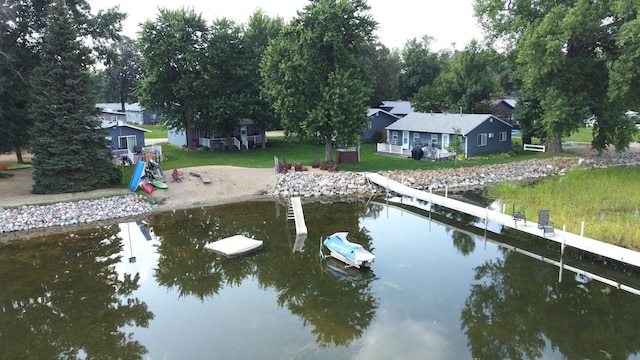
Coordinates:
[123,72]
[575,59]
[314,73]
[174,58]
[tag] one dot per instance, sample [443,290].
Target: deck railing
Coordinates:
[388,148]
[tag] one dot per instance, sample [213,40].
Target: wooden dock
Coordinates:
[565,238]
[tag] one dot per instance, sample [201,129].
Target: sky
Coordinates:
[448,21]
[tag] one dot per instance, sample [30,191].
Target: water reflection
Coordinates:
[338,314]
[441,287]
[63,298]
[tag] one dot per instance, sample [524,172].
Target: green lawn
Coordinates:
[304,152]
[157,131]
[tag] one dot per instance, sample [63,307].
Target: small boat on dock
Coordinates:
[349,253]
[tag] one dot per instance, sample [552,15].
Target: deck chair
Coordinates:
[518,215]
[176,175]
[547,226]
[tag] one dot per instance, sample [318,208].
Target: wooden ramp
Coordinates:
[565,238]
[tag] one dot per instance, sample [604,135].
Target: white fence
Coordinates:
[119,154]
[531,147]
[154,148]
[388,148]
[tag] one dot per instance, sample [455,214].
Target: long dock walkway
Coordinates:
[565,238]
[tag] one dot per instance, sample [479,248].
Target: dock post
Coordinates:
[446,191]
[564,239]
[582,229]
[486,219]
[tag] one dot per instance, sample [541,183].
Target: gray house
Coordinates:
[247,135]
[481,133]
[134,114]
[378,121]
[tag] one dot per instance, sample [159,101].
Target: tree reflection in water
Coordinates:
[62,298]
[512,312]
[338,311]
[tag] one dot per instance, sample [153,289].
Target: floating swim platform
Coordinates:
[234,246]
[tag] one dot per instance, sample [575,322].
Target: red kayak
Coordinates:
[146,186]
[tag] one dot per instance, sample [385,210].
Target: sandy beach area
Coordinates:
[228,184]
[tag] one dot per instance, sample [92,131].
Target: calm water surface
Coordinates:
[435,291]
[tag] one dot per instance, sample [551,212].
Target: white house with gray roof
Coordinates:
[481,133]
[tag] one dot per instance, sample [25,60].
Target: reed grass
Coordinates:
[607,200]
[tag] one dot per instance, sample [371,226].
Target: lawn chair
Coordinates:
[518,216]
[177,175]
[547,227]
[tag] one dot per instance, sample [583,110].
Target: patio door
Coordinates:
[445,141]
[127,142]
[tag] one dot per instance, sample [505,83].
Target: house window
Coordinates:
[434,138]
[482,139]
[394,135]
[416,139]
[127,142]
[370,125]
[503,136]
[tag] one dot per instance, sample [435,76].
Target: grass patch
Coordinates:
[157,131]
[607,200]
[304,151]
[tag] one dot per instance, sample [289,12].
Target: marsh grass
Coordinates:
[607,200]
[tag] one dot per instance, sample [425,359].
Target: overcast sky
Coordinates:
[448,21]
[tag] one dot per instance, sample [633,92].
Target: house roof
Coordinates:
[106,124]
[509,101]
[373,111]
[441,123]
[397,107]
[116,107]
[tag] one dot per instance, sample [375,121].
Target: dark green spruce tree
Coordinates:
[69,147]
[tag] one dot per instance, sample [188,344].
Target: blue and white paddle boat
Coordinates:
[349,253]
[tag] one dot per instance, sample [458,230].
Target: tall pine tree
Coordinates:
[69,147]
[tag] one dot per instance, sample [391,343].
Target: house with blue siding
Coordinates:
[124,136]
[378,121]
[481,133]
[399,108]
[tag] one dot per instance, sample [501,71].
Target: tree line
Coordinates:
[315,75]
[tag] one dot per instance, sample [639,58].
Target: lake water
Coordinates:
[439,288]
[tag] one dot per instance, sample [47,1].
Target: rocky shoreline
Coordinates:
[313,185]
[30,217]
[345,183]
